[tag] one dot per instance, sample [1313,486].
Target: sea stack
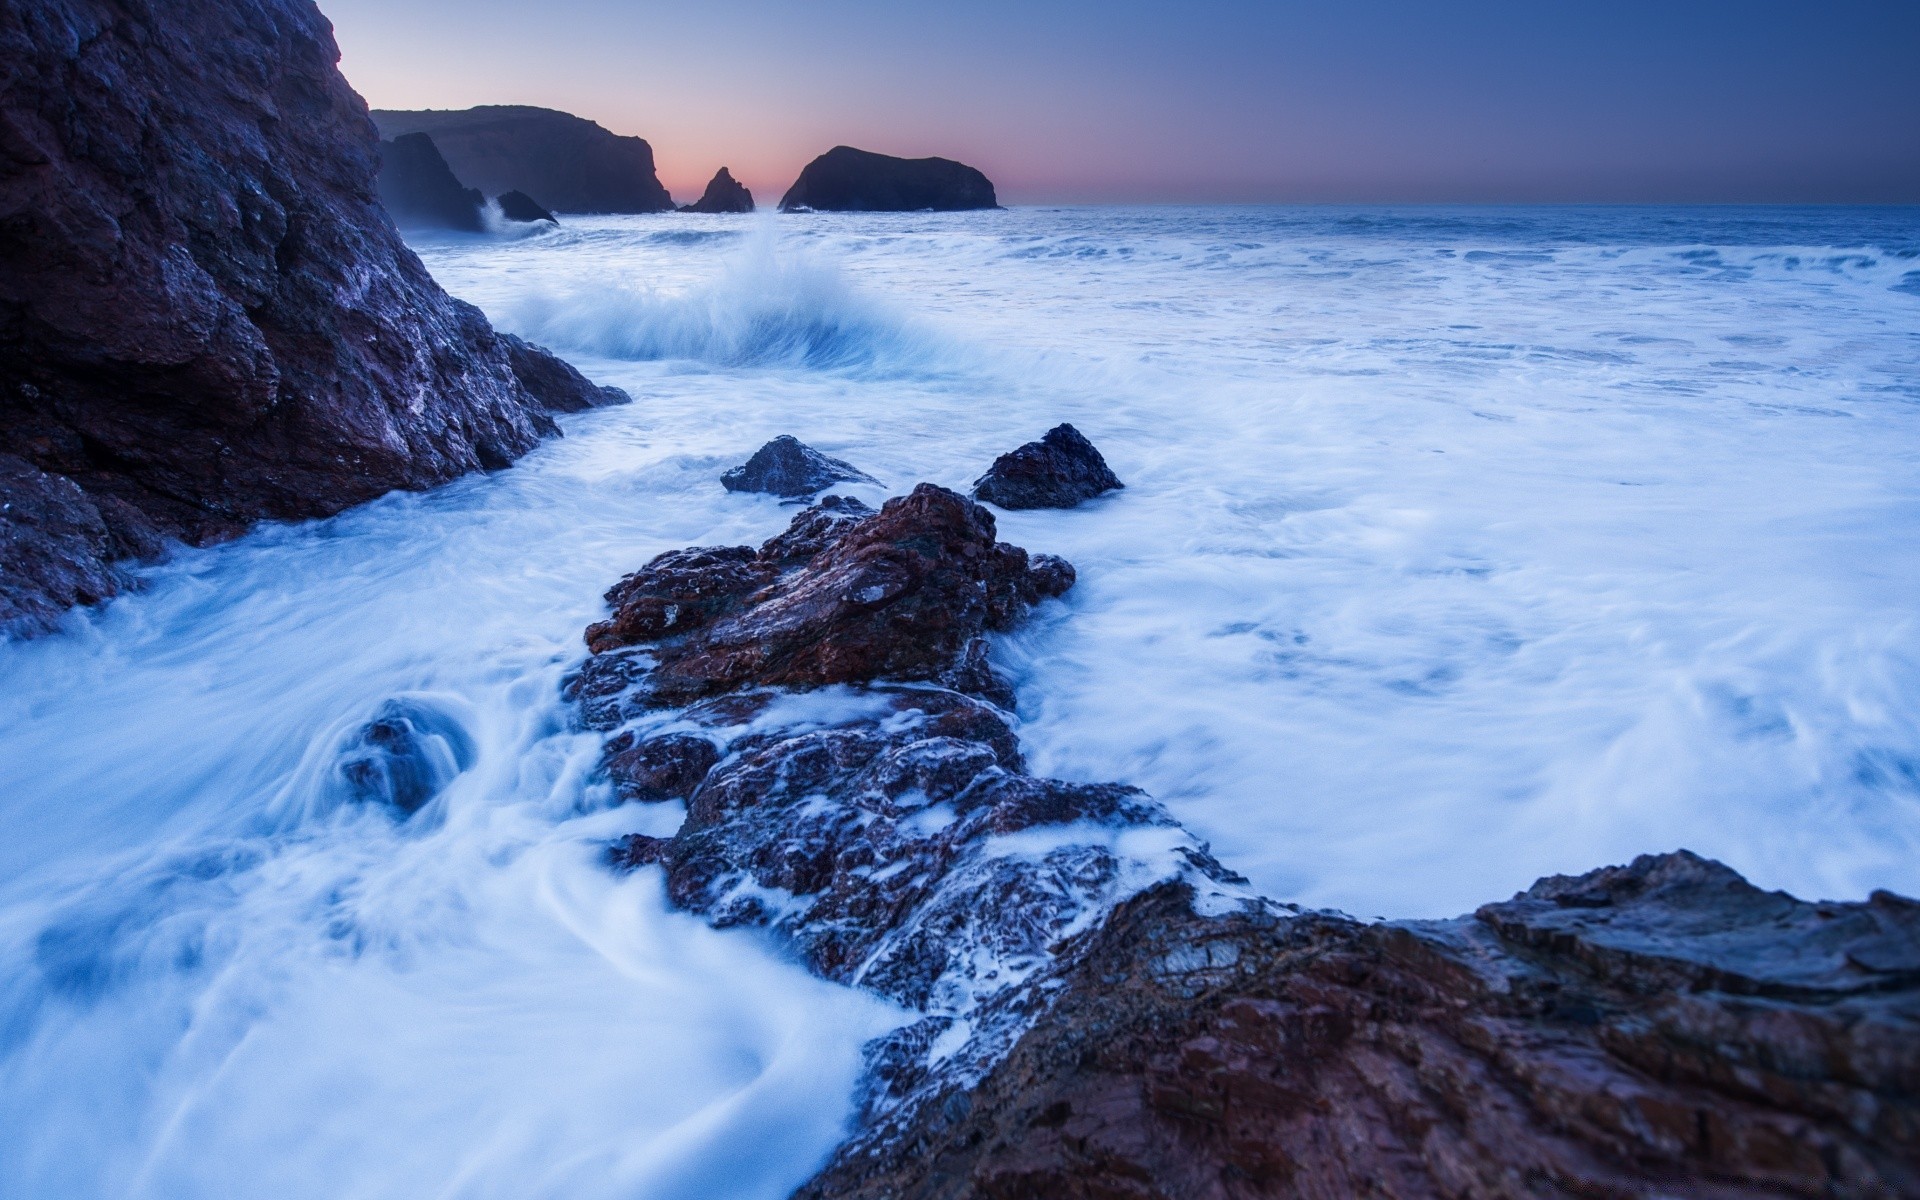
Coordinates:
[848,180]
[724,194]
[206,315]
[572,164]
[421,191]
[518,206]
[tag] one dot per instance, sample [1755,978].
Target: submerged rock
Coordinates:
[786,466]
[206,316]
[723,195]
[1058,471]
[421,191]
[848,180]
[518,206]
[571,163]
[405,757]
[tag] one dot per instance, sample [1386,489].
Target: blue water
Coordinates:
[1458,547]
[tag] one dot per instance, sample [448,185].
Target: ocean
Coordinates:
[1459,547]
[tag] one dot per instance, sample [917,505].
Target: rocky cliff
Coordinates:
[848,180]
[421,191]
[1101,1010]
[206,316]
[570,164]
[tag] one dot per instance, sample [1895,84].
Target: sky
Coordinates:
[1064,101]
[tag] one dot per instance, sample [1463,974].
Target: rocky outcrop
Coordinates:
[572,164]
[420,190]
[206,316]
[518,206]
[848,180]
[846,595]
[1653,1030]
[1058,471]
[1099,1009]
[787,466]
[723,195]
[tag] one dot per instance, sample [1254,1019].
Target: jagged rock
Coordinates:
[659,768]
[559,385]
[518,206]
[1058,471]
[1658,1029]
[723,195]
[787,466]
[421,191]
[848,180]
[841,597]
[571,163]
[55,549]
[405,757]
[206,316]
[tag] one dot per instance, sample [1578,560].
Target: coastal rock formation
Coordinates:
[421,191]
[846,595]
[1101,1010]
[1058,471]
[518,206]
[206,316]
[572,164]
[787,466]
[723,195]
[848,180]
[1658,1029]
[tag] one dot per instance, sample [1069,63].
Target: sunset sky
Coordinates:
[1217,100]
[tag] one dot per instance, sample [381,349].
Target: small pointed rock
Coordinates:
[724,194]
[1058,471]
[518,206]
[786,466]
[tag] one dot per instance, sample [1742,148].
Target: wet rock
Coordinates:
[571,163]
[839,598]
[668,767]
[405,757]
[560,386]
[1058,471]
[206,316]
[54,549]
[786,466]
[848,180]
[724,194]
[518,206]
[1658,1029]
[421,191]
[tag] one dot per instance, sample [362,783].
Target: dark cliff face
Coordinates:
[848,180]
[421,191]
[724,194]
[571,164]
[206,315]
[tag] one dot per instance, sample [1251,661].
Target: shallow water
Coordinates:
[1459,547]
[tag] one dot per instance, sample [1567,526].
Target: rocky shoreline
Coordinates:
[1103,1010]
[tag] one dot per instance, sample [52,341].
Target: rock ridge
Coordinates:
[572,164]
[1099,1009]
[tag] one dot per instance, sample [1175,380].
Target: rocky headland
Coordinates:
[571,164]
[1102,1010]
[848,180]
[206,315]
[421,191]
[724,194]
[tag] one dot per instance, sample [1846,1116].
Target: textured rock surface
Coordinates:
[421,191]
[518,206]
[786,466]
[570,163]
[1058,471]
[724,194]
[848,180]
[1654,1030]
[844,596]
[206,316]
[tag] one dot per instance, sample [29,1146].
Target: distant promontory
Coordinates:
[570,164]
[848,180]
